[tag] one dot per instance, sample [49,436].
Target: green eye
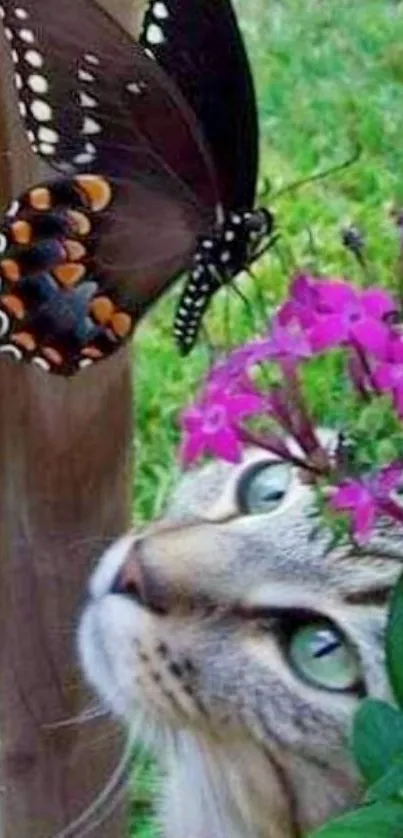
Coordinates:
[263,487]
[320,654]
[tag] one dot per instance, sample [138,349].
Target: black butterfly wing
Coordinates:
[199,45]
[92,102]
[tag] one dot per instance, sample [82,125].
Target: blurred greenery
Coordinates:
[327,75]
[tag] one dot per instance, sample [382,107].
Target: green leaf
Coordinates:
[390,785]
[386,451]
[377,738]
[380,820]
[370,419]
[394,642]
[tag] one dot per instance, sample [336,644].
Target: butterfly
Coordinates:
[200,47]
[151,181]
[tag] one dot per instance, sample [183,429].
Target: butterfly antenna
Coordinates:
[210,348]
[264,194]
[339,167]
[287,262]
[248,306]
[227,318]
[259,295]
[313,249]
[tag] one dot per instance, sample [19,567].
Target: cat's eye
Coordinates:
[263,487]
[320,654]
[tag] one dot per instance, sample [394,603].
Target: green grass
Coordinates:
[327,75]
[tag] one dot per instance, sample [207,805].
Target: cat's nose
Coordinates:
[133,579]
[129,577]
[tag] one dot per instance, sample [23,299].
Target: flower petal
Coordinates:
[377,303]
[364,517]
[385,376]
[349,494]
[330,330]
[335,296]
[390,477]
[371,335]
[238,405]
[191,418]
[193,446]
[225,444]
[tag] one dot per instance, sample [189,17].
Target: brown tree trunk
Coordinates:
[64,493]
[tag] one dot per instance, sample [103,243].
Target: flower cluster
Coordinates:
[261,383]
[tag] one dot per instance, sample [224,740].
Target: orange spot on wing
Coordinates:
[74,250]
[69,274]
[40,198]
[121,324]
[102,310]
[52,355]
[21,232]
[13,305]
[97,190]
[80,223]
[25,340]
[10,269]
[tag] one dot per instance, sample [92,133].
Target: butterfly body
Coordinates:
[233,246]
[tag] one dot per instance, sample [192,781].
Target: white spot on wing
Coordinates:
[47,135]
[41,111]
[27,36]
[37,83]
[34,58]
[154,34]
[87,101]
[8,349]
[84,75]
[92,59]
[160,10]
[4,324]
[42,363]
[13,209]
[90,126]
[46,149]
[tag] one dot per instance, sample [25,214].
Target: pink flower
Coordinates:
[211,425]
[288,341]
[388,376]
[231,372]
[367,499]
[302,302]
[348,315]
[285,344]
[333,313]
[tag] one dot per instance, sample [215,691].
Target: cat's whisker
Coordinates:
[95,813]
[96,711]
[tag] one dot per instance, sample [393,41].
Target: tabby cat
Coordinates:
[239,650]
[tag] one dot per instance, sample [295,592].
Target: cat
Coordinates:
[239,649]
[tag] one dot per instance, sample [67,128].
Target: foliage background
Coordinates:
[327,75]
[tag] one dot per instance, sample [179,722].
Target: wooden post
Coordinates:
[65,482]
